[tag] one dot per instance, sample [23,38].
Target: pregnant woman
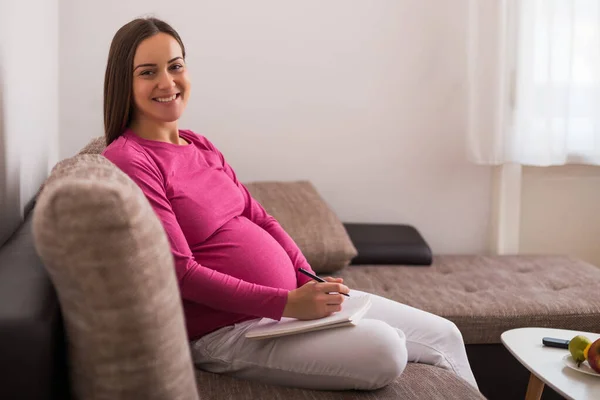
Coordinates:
[234,263]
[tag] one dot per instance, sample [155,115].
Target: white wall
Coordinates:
[28,103]
[560,211]
[367,99]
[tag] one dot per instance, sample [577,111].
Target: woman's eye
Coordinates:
[146,73]
[177,66]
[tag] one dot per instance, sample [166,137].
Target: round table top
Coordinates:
[547,363]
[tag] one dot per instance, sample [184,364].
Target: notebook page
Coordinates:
[353,308]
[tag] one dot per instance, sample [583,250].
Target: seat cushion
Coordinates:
[111,264]
[484,296]
[418,381]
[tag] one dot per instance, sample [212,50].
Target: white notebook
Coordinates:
[353,309]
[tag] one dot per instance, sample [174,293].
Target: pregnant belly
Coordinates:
[244,250]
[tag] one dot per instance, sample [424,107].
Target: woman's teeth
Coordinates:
[166,99]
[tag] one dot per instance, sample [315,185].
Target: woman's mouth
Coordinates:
[167,99]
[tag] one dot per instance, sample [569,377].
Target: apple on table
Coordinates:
[593,356]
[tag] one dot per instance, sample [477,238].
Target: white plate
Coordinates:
[584,367]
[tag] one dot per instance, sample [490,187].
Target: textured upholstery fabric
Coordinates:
[486,296]
[94,146]
[109,260]
[418,381]
[306,217]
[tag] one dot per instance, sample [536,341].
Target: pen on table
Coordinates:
[316,278]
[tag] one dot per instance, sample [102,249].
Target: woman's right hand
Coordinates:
[314,300]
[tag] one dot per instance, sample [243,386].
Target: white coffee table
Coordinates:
[547,366]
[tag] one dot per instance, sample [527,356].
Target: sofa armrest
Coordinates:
[109,259]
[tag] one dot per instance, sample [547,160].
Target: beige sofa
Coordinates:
[110,263]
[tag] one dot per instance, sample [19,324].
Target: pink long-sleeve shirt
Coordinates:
[233,261]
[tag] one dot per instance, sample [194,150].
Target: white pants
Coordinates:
[367,356]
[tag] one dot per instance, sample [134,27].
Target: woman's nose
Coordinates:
[165,81]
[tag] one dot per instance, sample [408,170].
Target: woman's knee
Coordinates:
[452,333]
[387,354]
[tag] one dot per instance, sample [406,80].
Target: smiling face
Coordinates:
[161,86]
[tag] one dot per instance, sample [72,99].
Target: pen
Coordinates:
[316,278]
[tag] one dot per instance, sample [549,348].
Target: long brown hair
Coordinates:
[118,80]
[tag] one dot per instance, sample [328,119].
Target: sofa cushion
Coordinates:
[110,262]
[418,381]
[487,295]
[307,218]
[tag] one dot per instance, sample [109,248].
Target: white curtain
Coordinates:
[534,82]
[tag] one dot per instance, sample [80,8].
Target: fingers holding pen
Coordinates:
[331,287]
[333,280]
